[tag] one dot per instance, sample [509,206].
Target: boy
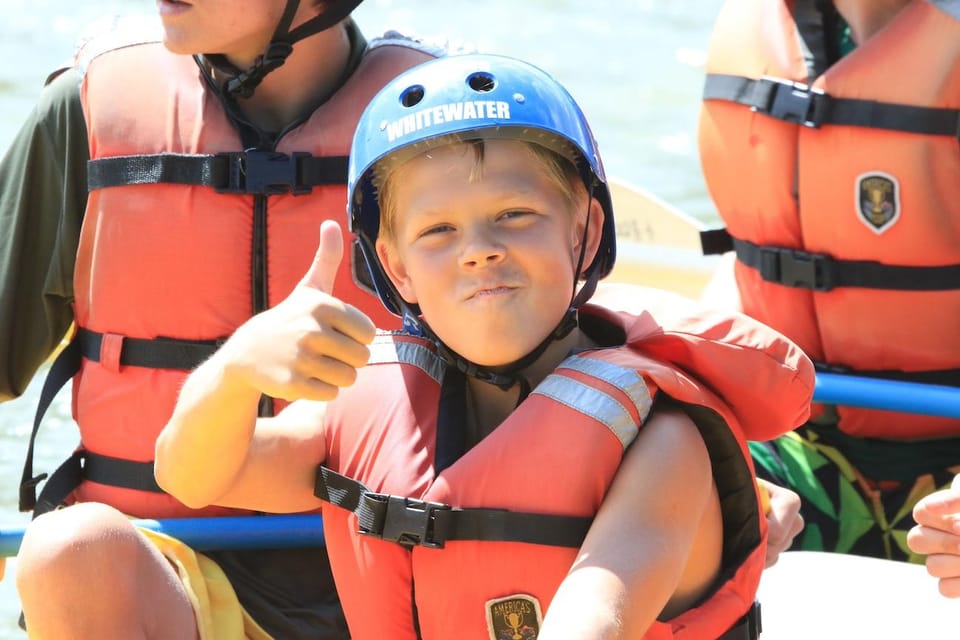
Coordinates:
[498,469]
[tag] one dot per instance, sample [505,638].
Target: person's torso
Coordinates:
[834,186]
[555,454]
[161,261]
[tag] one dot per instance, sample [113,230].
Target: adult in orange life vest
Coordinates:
[828,139]
[520,461]
[209,174]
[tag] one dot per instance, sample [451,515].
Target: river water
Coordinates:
[635,66]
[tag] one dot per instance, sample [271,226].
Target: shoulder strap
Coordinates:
[66,364]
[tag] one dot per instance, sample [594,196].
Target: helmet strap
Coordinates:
[243,82]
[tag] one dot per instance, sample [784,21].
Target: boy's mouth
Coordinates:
[484,292]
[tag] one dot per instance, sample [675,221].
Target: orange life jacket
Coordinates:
[843,197]
[474,571]
[185,236]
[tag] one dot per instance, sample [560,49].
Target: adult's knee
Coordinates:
[67,546]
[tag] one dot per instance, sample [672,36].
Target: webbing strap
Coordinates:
[60,484]
[156,353]
[801,104]
[66,364]
[251,172]
[412,522]
[84,465]
[821,272]
[748,627]
[160,353]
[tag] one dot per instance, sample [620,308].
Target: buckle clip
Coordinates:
[794,102]
[257,172]
[405,521]
[797,269]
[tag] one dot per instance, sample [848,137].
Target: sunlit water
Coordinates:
[636,67]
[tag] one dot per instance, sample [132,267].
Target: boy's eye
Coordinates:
[435,229]
[515,213]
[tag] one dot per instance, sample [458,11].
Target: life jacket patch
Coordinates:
[878,200]
[516,617]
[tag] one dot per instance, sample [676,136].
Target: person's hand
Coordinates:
[937,536]
[784,521]
[310,344]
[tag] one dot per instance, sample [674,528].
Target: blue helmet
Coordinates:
[466,97]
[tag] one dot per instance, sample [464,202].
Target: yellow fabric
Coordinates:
[219,614]
[764,497]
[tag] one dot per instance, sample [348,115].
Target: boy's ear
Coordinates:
[594,230]
[396,271]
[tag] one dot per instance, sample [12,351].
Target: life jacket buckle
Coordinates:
[403,520]
[794,102]
[258,172]
[799,269]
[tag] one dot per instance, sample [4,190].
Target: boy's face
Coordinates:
[239,29]
[487,252]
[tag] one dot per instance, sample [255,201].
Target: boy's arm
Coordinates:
[640,542]
[43,193]
[214,450]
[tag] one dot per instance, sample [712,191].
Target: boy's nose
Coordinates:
[481,248]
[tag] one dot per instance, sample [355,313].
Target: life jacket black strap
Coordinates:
[157,353]
[412,522]
[820,272]
[748,627]
[160,353]
[84,465]
[801,104]
[253,172]
[64,366]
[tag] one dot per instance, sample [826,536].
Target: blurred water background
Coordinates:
[636,67]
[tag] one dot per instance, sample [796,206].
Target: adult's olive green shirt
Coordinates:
[43,194]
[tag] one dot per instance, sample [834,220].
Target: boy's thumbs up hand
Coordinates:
[310,344]
[323,270]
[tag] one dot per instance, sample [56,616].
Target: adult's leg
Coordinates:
[843,512]
[85,572]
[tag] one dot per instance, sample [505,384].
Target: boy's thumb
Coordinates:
[323,271]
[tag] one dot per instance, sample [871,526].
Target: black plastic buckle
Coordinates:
[795,102]
[268,173]
[797,269]
[407,521]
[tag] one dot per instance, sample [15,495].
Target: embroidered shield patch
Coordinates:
[515,617]
[878,200]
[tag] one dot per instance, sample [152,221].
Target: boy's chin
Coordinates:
[494,360]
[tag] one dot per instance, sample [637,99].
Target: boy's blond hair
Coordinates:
[558,168]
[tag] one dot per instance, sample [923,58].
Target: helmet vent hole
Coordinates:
[412,96]
[481,82]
